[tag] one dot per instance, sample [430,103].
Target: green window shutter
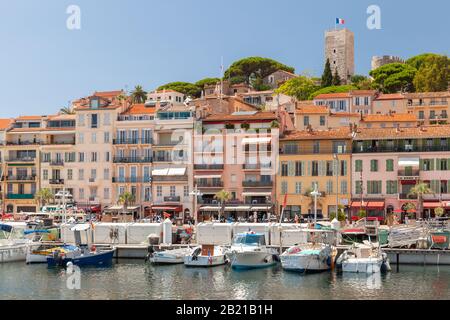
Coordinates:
[438,164]
[380,187]
[291,169]
[421,167]
[389,165]
[448,164]
[388,187]
[369,187]
[303,168]
[309,168]
[448,186]
[432,164]
[344,167]
[395,187]
[435,186]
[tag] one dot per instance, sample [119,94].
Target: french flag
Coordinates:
[340,21]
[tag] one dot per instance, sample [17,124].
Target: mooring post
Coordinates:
[398,261]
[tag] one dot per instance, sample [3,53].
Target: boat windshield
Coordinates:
[250,239]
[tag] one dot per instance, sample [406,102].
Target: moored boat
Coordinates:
[174,256]
[206,256]
[308,257]
[363,258]
[13,244]
[249,251]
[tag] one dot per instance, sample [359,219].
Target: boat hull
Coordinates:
[13,253]
[251,260]
[204,261]
[168,257]
[95,260]
[366,265]
[304,263]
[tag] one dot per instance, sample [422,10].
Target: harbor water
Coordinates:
[133,279]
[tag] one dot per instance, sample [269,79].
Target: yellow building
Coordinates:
[308,158]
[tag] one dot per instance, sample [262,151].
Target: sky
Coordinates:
[124,43]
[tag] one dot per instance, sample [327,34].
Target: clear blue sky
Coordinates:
[122,43]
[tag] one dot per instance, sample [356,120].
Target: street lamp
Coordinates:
[196,193]
[315,194]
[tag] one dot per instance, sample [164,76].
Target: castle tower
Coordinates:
[340,49]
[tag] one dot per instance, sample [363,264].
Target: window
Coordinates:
[106,137]
[284,187]
[93,174]
[344,187]
[186,191]
[432,114]
[421,115]
[428,164]
[106,193]
[284,169]
[329,187]
[315,168]
[45,174]
[69,174]
[329,168]
[358,187]
[322,120]
[105,174]
[298,168]
[298,187]
[444,186]
[81,174]
[391,187]
[306,120]
[94,137]
[444,164]
[172,191]
[80,138]
[373,165]
[343,168]
[81,193]
[147,194]
[389,165]
[316,147]
[107,157]
[358,165]
[93,156]
[94,121]
[81,157]
[373,187]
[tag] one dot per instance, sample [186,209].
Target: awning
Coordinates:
[116,208]
[375,204]
[261,208]
[414,182]
[446,204]
[160,172]
[173,208]
[217,176]
[176,172]
[206,208]
[256,140]
[357,204]
[408,162]
[431,205]
[256,194]
[238,208]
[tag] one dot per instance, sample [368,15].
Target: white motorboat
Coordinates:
[249,251]
[174,256]
[206,256]
[308,257]
[13,244]
[364,258]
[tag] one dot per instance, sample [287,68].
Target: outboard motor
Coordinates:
[196,253]
[150,252]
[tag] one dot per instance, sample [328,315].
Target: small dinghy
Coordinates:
[174,256]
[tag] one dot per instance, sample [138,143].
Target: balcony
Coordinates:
[218,184]
[131,179]
[411,174]
[16,196]
[170,178]
[406,196]
[57,163]
[24,143]
[56,181]
[172,199]
[133,141]
[257,184]
[431,103]
[19,178]
[208,167]
[21,159]
[132,160]
[257,166]
[406,148]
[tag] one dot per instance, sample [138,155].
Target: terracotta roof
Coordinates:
[363,92]
[241,117]
[390,96]
[5,123]
[394,117]
[338,133]
[139,109]
[339,95]
[256,93]
[345,114]
[108,94]
[442,131]
[420,95]
[312,109]
[29,118]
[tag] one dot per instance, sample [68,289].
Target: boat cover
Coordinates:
[5,227]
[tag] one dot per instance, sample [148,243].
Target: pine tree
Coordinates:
[336,79]
[327,77]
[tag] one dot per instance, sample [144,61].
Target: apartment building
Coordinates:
[388,162]
[314,159]
[267,100]
[429,107]
[321,118]
[389,103]
[355,101]
[234,152]
[391,120]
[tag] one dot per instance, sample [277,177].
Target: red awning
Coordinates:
[172,208]
[408,182]
[357,204]
[431,205]
[375,204]
[398,211]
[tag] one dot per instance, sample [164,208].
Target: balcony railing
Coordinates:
[20,178]
[406,196]
[21,159]
[409,173]
[131,179]
[133,141]
[16,196]
[170,178]
[56,181]
[257,166]
[169,143]
[308,151]
[132,160]
[208,167]
[172,199]
[256,184]
[218,184]
[407,148]
[23,143]
[431,103]
[58,163]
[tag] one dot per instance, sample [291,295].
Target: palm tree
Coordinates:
[67,110]
[138,95]
[419,190]
[126,199]
[222,196]
[274,124]
[44,196]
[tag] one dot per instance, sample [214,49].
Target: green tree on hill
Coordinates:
[257,66]
[394,77]
[327,76]
[138,95]
[417,61]
[207,81]
[300,88]
[336,79]
[433,74]
[186,88]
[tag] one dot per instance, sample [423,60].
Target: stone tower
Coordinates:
[340,49]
